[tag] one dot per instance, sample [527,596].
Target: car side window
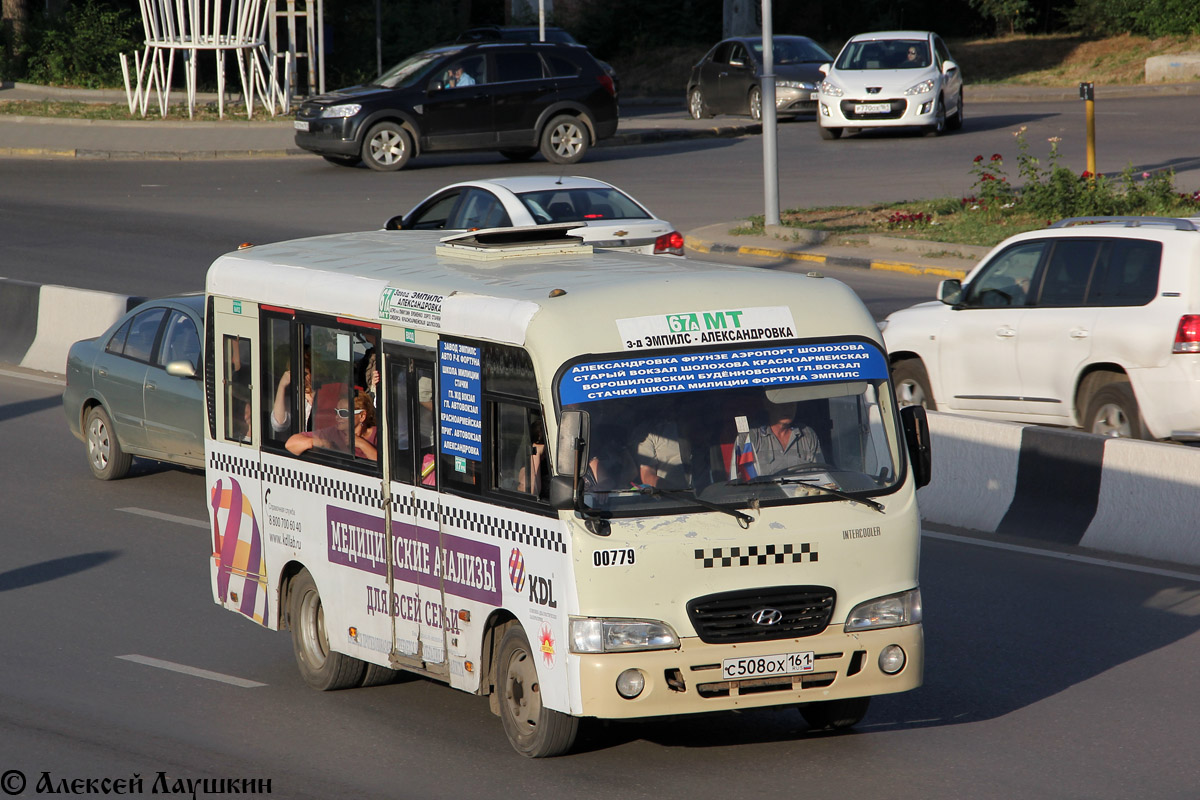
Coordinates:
[434,216]
[723,53]
[1005,282]
[561,67]
[739,57]
[522,66]
[116,345]
[181,341]
[1126,273]
[1068,272]
[480,209]
[143,333]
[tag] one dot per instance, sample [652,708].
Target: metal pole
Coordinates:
[378,37]
[1087,93]
[770,148]
[541,20]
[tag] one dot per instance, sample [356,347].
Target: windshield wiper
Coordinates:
[866,501]
[744,520]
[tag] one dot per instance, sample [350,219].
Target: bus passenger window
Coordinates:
[520,448]
[239,420]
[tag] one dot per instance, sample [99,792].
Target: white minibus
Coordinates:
[582,484]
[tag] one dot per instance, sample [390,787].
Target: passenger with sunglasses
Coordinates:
[337,437]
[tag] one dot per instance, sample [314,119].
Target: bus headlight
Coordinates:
[886,612]
[593,635]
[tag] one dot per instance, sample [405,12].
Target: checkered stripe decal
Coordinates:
[341,490]
[519,532]
[756,555]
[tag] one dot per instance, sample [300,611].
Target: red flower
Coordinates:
[996,157]
[978,159]
[1086,174]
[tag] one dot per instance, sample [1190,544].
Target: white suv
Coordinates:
[1091,325]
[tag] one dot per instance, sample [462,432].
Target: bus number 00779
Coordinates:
[622,557]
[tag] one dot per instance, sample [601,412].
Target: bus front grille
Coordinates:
[760,615]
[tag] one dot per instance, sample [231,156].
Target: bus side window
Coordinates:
[279,391]
[239,421]
[520,449]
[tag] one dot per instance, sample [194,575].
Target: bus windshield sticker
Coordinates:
[460,402]
[640,376]
[419,309]
[707,327]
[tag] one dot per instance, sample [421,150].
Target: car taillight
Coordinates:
[607,82]
[1187,335]
[671,243]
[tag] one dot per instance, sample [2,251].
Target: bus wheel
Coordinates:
[533,730]
[320,667]
[835,714]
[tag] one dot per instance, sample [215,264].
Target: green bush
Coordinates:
[1158,18]
[81,46]
[1152,18]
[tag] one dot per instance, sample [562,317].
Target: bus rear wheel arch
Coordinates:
[321,667]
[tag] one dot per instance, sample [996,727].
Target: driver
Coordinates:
[777,446]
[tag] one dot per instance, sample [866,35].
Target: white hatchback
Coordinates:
[608,217]
[1088,325]
[891,79]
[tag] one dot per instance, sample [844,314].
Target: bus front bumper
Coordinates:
[691,678]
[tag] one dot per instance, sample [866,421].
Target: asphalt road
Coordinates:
[1045,678]
[152,228]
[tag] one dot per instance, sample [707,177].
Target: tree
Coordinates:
[1011,14]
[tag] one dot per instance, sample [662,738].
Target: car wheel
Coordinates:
[519,154]
[565,140]
[756,103]
[533,730]
[912,384]
[939,119]
[835,714]
[696,105]
[955,122]
[105,456]
[320,667]
[387,147]
[343,161]
[1113,411]
[829,133]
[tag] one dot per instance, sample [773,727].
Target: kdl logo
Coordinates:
[541,591]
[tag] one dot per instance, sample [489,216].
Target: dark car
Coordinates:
[515,98]
[136,389]
[728,80]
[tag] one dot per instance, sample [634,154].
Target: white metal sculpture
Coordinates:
[189,27]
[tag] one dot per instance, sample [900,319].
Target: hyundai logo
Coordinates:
[874,89]
[767,616]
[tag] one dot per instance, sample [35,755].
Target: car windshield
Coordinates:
[580,205]
[793,51]
[778,424]
[884,54]
[410,69]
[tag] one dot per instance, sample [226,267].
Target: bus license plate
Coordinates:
[872,108]
[767,666]
[300,124]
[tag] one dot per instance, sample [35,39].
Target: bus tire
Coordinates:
[375,675]
[533,730]
[320,667]
[835,714]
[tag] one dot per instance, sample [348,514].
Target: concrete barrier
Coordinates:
[1064,487]
[1174,68]
[39,323]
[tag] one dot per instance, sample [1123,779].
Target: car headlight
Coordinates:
[831,89]
[886,612]
[620,635]
[339,112]
[924,87]
[795,85]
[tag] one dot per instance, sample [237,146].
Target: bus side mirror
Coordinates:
[915,424]
[571,458]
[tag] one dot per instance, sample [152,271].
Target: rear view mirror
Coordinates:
[915,424]
[181,369]
[824,69]
[571,458]
[395,223]
[950,291]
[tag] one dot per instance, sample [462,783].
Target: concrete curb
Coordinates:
[1063,487]
[41,322]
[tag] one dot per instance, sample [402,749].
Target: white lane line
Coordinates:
[145,512]
[1033,551]
[53,380]
[195,672]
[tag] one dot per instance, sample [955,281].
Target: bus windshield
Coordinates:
[740,428]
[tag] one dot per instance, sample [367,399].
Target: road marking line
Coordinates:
[53,380]
[1034,551]
[145,512]
[195,672]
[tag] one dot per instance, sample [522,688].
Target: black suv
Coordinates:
[512,97]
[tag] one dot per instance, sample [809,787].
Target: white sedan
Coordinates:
[608,217]
[891,79]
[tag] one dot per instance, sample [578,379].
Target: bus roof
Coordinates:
[409,278]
